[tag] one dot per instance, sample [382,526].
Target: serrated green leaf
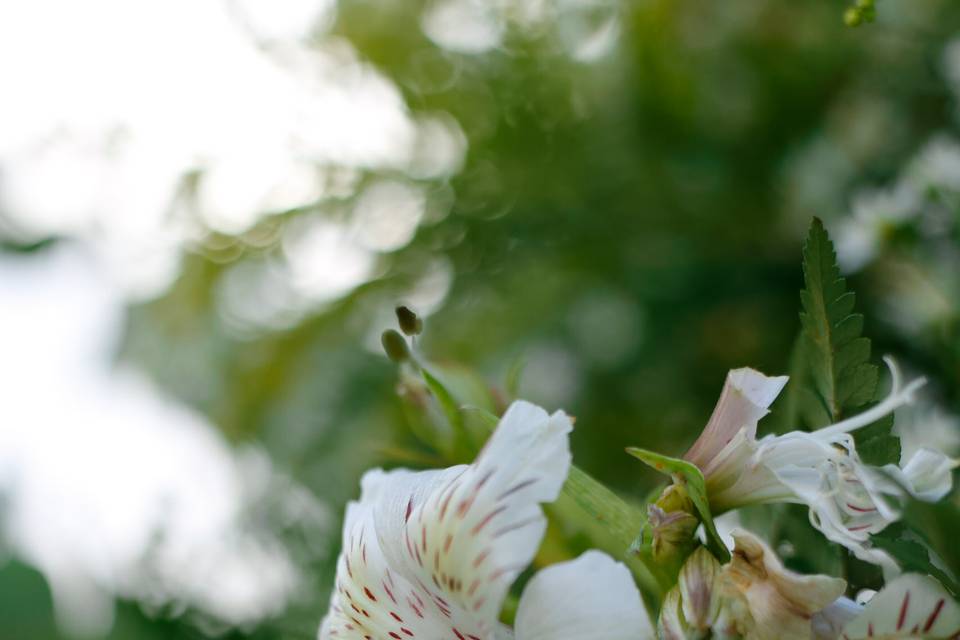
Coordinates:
[837,356]
[860,386]
[837,373]
[692,478]
[876,444]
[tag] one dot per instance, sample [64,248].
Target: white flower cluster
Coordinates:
[433,554]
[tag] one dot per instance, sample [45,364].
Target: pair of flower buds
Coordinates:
[432,554]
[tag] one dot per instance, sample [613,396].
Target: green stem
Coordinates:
[613,525]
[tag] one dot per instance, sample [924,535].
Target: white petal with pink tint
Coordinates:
[849,500]
[591,597]
[745,399]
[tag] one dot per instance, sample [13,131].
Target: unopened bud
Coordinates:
[675,498]
[699,593]
[410,323]
[672,533]
[395,345]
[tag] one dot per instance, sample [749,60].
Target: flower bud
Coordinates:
[691,608]
[671,532]
[675,498]
[410,323]
[698,590]
[395,346]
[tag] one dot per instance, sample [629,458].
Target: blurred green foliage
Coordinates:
[631,227]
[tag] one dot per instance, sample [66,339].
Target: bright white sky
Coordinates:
[100,466]
[111,104]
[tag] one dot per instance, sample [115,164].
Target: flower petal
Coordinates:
[590,597]
[697,582]
[370,600]
[781,603]
[745,399]
[670,624]
[911,606]
[828,624]
[464,534]
[927,476]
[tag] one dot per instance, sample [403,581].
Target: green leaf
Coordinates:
[837,356]
[913,553]
[838,375]
[444,398]
[454,389]
[690,476]
[876,444]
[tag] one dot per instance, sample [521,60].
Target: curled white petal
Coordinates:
[746,397]
[928,475]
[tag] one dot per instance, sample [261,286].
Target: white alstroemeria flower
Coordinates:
[848,500]
[431,554]
[911,606]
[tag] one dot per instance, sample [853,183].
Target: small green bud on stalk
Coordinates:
[395,345]
[410,323]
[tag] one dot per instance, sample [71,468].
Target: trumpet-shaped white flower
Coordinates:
[431,554]
[848,500]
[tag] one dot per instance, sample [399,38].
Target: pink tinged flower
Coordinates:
[848,500]
[432,554]
[745,399]
[910,606]
[765,601]
[751,597]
